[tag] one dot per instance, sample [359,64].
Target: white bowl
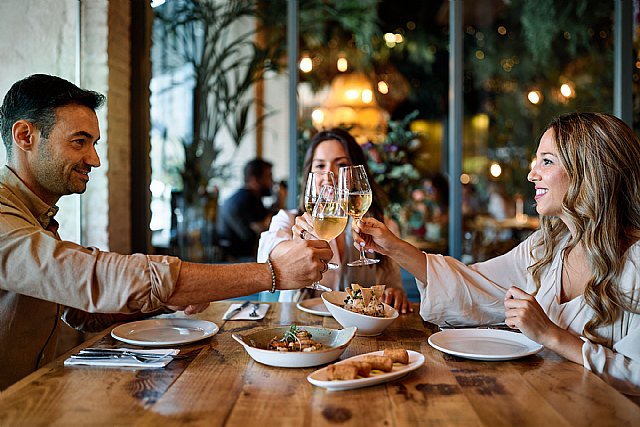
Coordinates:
[368,326]
[335,342]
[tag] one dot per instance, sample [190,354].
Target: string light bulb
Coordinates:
[306,64]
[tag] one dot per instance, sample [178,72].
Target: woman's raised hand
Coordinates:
[303,228]
[373,235]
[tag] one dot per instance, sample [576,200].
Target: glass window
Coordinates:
[525,62]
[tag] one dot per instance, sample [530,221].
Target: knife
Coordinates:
[236,311]
[94,351]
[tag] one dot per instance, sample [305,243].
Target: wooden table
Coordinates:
[219,384]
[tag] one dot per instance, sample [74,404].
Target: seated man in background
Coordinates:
[243,216]
[50,129]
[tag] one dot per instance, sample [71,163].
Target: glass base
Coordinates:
[361,262]
[319,287]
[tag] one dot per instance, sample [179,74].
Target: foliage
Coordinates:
[216,42]
[328,28]
[393,163]
[544,44]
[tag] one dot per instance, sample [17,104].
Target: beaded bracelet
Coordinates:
[273,276]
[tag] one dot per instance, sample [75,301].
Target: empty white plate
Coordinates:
[165,331]
[484,344]
[314,306]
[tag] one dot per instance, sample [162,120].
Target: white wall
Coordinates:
[39,36]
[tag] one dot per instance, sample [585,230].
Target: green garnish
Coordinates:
[290,335]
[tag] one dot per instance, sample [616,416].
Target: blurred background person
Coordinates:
[436,189]
[243,216]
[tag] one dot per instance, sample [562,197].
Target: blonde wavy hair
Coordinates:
[601,156]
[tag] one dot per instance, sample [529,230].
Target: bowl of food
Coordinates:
[295,346]
[362,308]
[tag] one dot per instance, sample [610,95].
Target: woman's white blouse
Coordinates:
[280,231]
[474,294]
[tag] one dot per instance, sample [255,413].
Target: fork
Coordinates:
[500,326]
[136,357]
[254,313]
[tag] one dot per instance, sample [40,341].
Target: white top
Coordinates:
[280,231]
[474,294]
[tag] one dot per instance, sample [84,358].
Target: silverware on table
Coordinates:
[499,326]
[254,312]
[124,355]
[126,351]
[236,311]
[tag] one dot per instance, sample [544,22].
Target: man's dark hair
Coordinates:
[36,98]
[256,168]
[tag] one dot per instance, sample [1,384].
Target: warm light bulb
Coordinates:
[342,64]
[306,64]
[534,97]
[352,94]
[495,170]
[383,87]
[367,96]
[465,179]
[566,90]
[317,116]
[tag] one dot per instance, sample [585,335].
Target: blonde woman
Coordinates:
[328,151]
[574,285]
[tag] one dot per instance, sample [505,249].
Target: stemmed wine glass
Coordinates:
[329,217]
[353,180]
[315,181]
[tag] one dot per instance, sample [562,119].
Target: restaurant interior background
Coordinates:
[196,89]
[381,69]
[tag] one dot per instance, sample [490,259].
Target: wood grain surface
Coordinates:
[218,384]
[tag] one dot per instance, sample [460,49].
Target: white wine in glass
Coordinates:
[315,181]
[353,180]
[329,217]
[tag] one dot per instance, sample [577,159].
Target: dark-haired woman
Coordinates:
[329,151]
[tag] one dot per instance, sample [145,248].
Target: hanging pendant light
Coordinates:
[352,103]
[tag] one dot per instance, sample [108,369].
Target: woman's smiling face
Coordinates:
[549,176]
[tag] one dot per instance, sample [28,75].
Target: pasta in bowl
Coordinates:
[346,313]
[278,346]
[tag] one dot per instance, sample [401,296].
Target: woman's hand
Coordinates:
[374,235]
[397,298]
[303,228]
[522,311]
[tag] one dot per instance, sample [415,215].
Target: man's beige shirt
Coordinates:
[39,273]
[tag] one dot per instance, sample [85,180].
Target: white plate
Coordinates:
[319,377]
[166,331]
[484,344]
[314,306]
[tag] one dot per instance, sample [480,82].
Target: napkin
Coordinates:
[117,359]
[244,314]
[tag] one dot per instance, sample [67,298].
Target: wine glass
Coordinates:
[329,217]
[315,181]
[353,180]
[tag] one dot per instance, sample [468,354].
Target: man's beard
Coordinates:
[266,192]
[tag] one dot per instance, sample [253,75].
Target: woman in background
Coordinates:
[329,151]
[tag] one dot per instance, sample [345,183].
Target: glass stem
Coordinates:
[362,256]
